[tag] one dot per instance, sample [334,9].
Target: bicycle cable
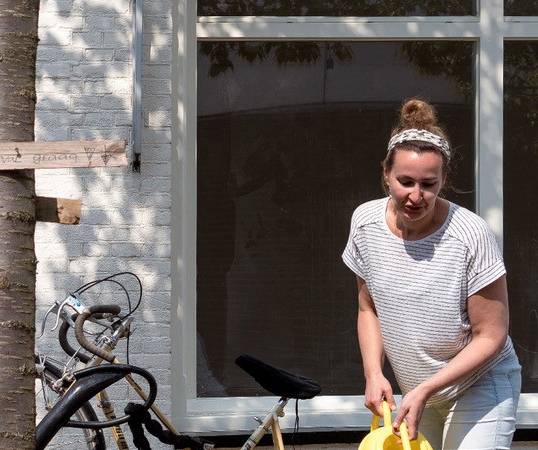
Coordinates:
[112,279]
[295,433]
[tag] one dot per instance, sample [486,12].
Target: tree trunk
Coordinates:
[18,45]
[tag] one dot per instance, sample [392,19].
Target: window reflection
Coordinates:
[520,213]
[288,146]
[338,8]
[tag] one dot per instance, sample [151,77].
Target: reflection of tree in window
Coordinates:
[222,54]
[451,60]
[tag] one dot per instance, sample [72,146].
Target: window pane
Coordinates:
[520,213]
[336,8]
[290,140]
[520,7]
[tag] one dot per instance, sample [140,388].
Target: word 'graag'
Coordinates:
[40,159]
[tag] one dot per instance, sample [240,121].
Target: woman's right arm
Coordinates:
[373,353]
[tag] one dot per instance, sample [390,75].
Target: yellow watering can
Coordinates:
[382,438]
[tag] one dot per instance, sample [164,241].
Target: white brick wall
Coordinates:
[84,87]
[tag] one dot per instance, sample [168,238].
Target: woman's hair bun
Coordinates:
[416,113]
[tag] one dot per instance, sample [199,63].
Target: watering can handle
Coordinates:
[404,434]
[387,422]
[387,417]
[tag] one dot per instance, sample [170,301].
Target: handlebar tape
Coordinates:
[79,329]
[64,342]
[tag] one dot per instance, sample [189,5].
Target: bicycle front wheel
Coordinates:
[67,438]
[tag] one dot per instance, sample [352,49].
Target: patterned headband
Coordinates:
[420,135]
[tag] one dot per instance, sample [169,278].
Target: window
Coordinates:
[290,140]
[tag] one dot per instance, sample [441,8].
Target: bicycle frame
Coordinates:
[270,421]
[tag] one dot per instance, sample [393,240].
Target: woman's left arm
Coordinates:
[488,315]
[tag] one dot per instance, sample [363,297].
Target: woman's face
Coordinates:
[414,183]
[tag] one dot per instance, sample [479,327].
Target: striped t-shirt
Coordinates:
[420,289]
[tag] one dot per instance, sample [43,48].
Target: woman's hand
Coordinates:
[411,411]
[377,391]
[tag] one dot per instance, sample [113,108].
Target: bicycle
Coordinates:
[75,388]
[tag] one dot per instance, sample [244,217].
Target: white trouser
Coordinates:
[483,417]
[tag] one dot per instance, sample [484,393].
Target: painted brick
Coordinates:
[99,54]
[47,54]
[98,22]
[84,39]
[79,103]
[56,37]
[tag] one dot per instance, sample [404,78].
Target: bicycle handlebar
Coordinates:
[86,314]
[64,342]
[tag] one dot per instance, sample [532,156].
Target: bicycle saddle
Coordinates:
[277,381]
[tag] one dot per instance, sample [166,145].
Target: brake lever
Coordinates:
[72,300]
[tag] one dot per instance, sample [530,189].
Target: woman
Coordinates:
[432,299]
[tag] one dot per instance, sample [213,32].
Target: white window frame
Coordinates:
[488,29]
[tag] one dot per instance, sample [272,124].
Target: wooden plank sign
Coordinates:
[62,154]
